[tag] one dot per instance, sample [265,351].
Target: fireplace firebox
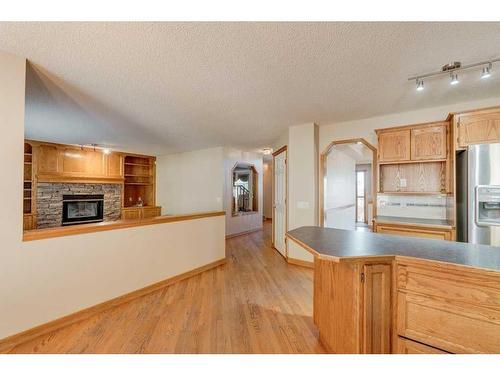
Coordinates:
[82,208]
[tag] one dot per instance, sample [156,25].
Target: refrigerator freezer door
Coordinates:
[484,194]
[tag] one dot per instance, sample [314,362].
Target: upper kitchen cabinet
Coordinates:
[477,127]
[424,142]
[429,142]
[393,145]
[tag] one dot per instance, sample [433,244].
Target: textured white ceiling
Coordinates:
[167,87]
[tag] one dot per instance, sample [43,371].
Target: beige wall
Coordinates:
[44,280]
[190,181]
[302,189]
[247,222]
[268,187]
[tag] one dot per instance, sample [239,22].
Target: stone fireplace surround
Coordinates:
[49,200]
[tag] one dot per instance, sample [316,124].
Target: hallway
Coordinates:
[256,303]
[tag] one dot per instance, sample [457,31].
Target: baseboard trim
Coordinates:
[12,341]
[300,262]
[243,233]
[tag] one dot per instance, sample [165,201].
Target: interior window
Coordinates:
[245,196]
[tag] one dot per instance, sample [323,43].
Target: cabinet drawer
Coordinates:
[404,346]
[414,232]
[454,327]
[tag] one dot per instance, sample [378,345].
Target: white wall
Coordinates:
[268,187]
[246,222]
[340,192]
[46,279]
[302,183]
[190,181]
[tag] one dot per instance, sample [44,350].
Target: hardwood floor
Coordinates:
[256,303]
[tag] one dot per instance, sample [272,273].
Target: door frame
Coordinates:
[365,205]
[322,174]
[276,153]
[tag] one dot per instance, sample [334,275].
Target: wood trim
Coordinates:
[406,127]
[39,234]
[280,150]
[243,233]
[412,225]
[300,262]
[276,153]
[322,173]
[78,179]
[19,338]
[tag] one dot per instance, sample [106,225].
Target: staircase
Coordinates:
[243,198]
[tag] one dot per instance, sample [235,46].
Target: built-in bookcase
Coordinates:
[139,180]
[28,179]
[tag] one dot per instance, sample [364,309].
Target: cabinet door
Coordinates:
[405,346]
[479,128]
[394,146]
[114,165]
[28,222]
[48,159]
[131,213]
[377,309]
[428,143]
[151,212]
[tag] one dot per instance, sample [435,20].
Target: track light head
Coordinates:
[454,78]
[420,84]
[486,72]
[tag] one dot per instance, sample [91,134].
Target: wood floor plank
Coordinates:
[255,303]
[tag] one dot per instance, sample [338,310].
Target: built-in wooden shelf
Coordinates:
[137,175]
[138,183]
[139,164]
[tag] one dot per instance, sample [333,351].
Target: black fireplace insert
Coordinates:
[82,208]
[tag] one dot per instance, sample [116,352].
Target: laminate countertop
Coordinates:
[338,244]
[413,221]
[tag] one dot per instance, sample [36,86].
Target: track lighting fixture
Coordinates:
[420,84]
[486,72]
[452,70]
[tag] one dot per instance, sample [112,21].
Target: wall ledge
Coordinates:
[39,234]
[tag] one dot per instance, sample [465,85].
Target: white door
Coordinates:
[279,208]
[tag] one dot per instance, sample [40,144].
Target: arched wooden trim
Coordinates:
[322,174]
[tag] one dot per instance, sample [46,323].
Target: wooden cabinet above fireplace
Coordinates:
[65,163]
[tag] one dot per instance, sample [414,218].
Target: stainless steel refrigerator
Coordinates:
[478,194]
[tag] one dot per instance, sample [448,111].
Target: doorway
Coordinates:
[347,183]
[280,191]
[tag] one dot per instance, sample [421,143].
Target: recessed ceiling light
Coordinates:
[267,151]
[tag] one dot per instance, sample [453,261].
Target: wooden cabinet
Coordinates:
[65,163]
[394,145]
[409,230]
[376,279]
[28,222]
[352,305]
[429,143]
[451,309]
[140,212]
[478,127]
[405,346]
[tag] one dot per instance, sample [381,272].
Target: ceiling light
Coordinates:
[107,151]
[454,78]
[486,71]
[420,84]
[267,151]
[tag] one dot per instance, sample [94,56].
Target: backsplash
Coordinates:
[412,206]
[49,201]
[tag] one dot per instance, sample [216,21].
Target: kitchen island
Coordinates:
[376,293]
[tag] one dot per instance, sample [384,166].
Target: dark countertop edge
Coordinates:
[338,259]
[412,221]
